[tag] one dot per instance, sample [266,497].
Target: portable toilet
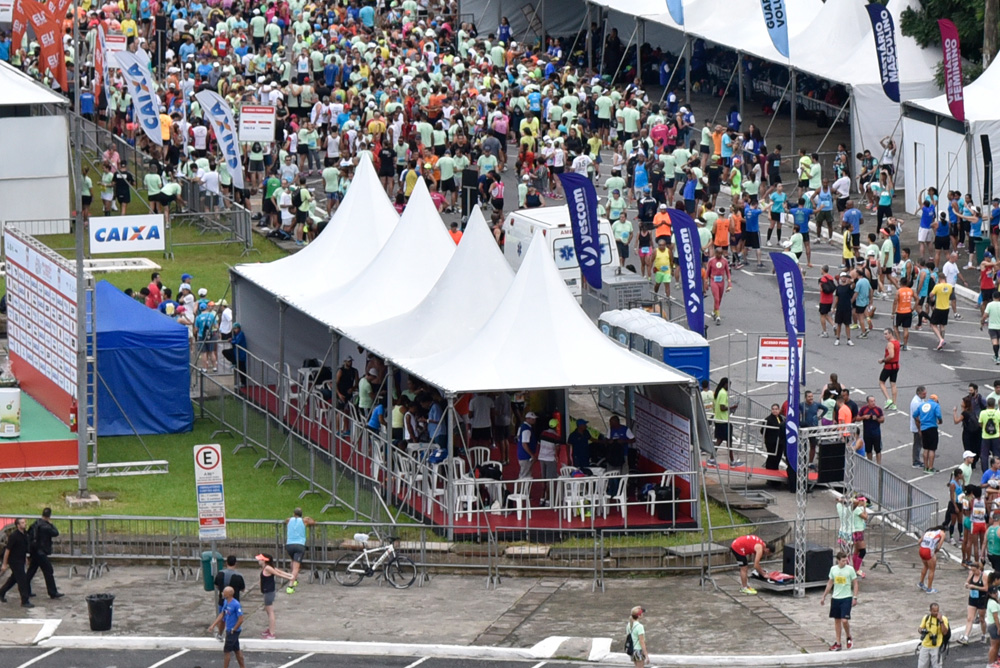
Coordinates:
[626,324]
[679,347]
[607,321]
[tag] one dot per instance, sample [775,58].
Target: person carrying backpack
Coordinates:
[989,420]
[935,634]
[635,638]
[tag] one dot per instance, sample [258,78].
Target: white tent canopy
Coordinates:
[943,149]
[17,88]
[466,295]
[538,338]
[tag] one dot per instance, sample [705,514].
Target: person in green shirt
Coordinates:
[723,431]
[86,195]
[446,167]
[331,184]
[991,318]
[843,581]
[153,183]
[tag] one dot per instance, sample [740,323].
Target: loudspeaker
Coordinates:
[988,170]
[831,461]
[819,561]
[160,22]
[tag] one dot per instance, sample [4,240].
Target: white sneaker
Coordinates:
[849,342]
[770,243]
[836,342]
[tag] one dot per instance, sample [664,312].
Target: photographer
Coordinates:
[933,629]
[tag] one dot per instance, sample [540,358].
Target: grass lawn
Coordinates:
[250,493]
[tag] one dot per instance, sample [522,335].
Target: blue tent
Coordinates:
[142,356]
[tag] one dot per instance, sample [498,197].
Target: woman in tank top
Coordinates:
[268,571]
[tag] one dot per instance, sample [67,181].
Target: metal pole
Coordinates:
[446,419]
[722,100]
[775,114]
[833,124]
[687,71]
[621,61]
[795,98]
[82,407]
[604,36]
[590,41]
[969,150]
[640,25]
[739,64]
[673,71]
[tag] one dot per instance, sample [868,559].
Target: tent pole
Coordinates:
[833,124]
[795,96]
[937,154]
[604,36]
[854,150]
[447,418]
[695,396]
[590,40]
[569,54]
[545,41]
[969,150]
[775,114]
[687,72]
[673,71]
[281,340]
[621,61]
[739,64]
[729,83]
[640,26]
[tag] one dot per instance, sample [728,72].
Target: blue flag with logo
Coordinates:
[792,312]
[676,9]
[885,47]
[776,20]
[582,200]
[688,246]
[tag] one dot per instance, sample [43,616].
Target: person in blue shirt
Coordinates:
[779,200]
[527,446]
[232,615]
[853,217]
[503,31]
[942,237]
[801,215]
[4,48]
[689,192]
[237,353]
[295,539]
[928,417]
[367,16]
[579,443]
[862,298]
[925,233]
[751,229]
[822,204]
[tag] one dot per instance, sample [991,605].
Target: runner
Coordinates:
[827,289]
[890,368]
[930,545]
[843,306]
[720,279]
[991,320]
[902,311]
[941,295]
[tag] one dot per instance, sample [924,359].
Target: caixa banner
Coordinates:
[127,234]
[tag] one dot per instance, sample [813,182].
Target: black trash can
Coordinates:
[100,607]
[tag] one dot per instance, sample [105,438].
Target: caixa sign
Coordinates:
[127,234]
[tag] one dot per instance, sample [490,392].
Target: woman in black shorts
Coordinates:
[977,600]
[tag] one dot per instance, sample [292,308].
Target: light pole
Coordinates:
[82,409]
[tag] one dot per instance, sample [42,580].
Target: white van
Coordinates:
[520,226]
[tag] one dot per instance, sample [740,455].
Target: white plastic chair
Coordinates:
[407,472]
[578,493]
[477,455]
[521,497]
[466,496]
[666,480]
[619,498]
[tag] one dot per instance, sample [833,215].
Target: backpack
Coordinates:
[501,124]
[33,537]
[946,638]
[629,643]
[990,429]
[297,198]
[826,285]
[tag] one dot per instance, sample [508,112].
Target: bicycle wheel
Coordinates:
[401,572]
[349,577]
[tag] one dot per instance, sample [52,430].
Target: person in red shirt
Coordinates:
[743,548]
[719,277]
[890,368]
[827,287]
[155,296]
[456,234]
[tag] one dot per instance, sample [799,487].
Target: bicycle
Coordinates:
[397,570]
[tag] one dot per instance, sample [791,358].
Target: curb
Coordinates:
[546,649]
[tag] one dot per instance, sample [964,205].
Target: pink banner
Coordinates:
[952,68]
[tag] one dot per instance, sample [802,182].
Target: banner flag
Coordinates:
[793,312]
[689,263]
[100,63]
[582,200]
[885,47]
[18,26]
[676,9]
[144,99]
[776,20]
[953,87]
[220,115]
[48,32]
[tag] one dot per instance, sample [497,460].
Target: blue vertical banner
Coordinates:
[688,245]
[582,200]
[885,47]
[793,314]
[776,20]
[676,9]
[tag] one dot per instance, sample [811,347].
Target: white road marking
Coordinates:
[169,658]
[412,665]
[898,447]
[539,664]
[966,368]
[39,658]
[762,387]
[944,433]
[726,366]
[306,656]
[748,273]
[920,477]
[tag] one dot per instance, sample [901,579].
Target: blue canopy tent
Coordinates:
[142,356]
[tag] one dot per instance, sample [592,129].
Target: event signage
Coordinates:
[663,436]
[18,24]
[219,114]
[953,87]
[582,200]
[115,43]
[211,495]
[6,11]
[885,46]
[257,123]
[127,234]
[790,291]
[144,100]
[48,31]
[776,20]
[689,264]
[772,358]
[676,9]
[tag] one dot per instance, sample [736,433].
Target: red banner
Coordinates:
[99,63]
[953,87]
[18,26]
[48,30]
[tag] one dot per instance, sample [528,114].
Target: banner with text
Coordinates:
[48,32]
[885,47]
[127,234]
[140,86]
[257,123]
[790,290]
[219,114]
[776,20]
[953,87]
[689,263]
[582,200]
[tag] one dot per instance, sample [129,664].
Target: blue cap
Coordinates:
[581,422]
[186,277]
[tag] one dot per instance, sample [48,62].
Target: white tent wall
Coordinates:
[931,151]
[256,310]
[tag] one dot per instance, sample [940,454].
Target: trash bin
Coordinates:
[100,608]
[206,568]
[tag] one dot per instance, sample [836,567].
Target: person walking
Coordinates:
[991,320]
[890,368]
[977,588]
[827,288]
[14,558]
[233,579]
[527,446]
[871,418]
[930,544]
[928,415]
[637,635]
[933,628]
[992,623]
[843,583]
[40,535]
[720,413]
[842,308]
[295,544]
[916,450]
[268,571]
[231,617]
[720,281]
[989,422]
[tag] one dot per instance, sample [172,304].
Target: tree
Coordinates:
[979,43]
[990,27]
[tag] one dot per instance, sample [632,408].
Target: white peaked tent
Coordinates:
[353,237]
[538,338]
[946,153]
[465,296]
[399,277]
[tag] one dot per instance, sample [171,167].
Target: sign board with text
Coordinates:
[6,11]
[127,234]
[772,359]
[211,496]
[257,123]
[114,43]
[663,436]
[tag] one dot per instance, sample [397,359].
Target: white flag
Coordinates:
[219,114]
[144,98]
